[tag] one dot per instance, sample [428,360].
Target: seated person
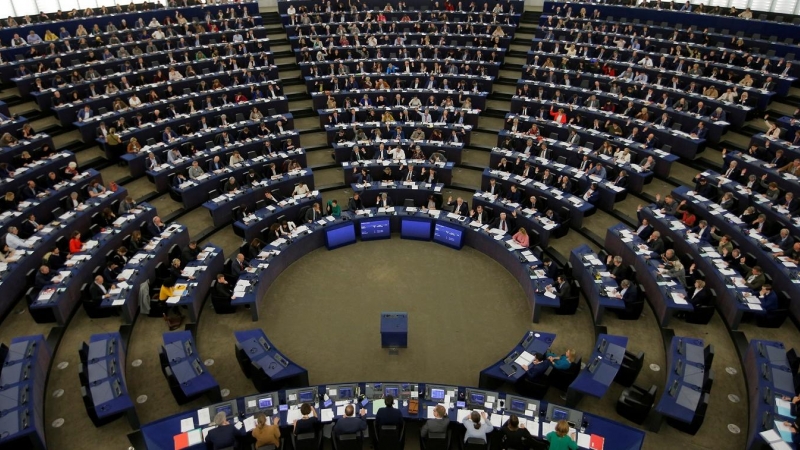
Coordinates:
[308,422]
[224,434]
[438,424]
[349,424]
[562,362]
[537,368]
[477,425]
[267,434]
[515,435]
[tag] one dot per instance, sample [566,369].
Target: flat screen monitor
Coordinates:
[560,414]
[437,394]
[345,393]
[306,396]
[227,408]
[518,405]
[449,236]
[477,399]
[415,229]
[340,236]
[264,403]
[393,391]
[375,229]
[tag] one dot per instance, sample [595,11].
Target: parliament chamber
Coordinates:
[475,225]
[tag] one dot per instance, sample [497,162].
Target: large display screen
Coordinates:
[340,236]
[415,229]
[449,236]
[375,229]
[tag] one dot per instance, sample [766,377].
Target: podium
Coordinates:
[394,330]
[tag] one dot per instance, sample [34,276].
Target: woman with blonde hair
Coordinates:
[267,434]
[561,438]
[134,146]
[564,361]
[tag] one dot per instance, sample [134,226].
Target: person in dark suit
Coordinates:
[222,289]
[628,292]
[562,288]
[43,278]
[355,203]
[783,240]
[494,188]
[699,296]
[350,424]
[754,276]
[702,187]
[513,195]
[503,222]
[238,266]
[592,194]
[479,214]
[224,434]
[408,173]
[655,243]
[438,424]
[537,368]
[99,290]
[190,252]
[384,201]
[550,268]
[460,207]
[156,227]
[644,230]
[388,415]
[702,231]
[616,268]
[769,299]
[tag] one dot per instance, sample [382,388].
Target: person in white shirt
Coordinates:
[154,23]
[646,62]
[292,14]
[397,153]
[174,75]
[623,156]
[158,34]
[13,241]
[237,37]
[134,101]
[301,189]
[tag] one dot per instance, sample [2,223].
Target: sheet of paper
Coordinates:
[496,420]
[118,302]
[340,410]
[187,424]
[376,406]
[203,417]
[583,440]
[249,423]
[195,437]
[326,415]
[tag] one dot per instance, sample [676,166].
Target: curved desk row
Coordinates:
[397,16]
[460,401]
[557,135]
[412,6]
[687,373]
[42,207]
[192,292]
[185,371]
[37,170]
[222,206]
[769,378]
[596,377]
[407,79]
[597,286]
[265,365]
[13,274]
[578,209]
[730,298]
[153,130]
[539,228]
[783,278]
[490,69]
[681,143]
[509,369]
[343,147]
[32,145]
[374,114]
[256,225]
[137,162]
[667,296]
[250,149]
[102,375]
[759,168]
[608,192]
[141,268]
[765,27]
[129,17]
[375,170]
[281,253]
[320,99]
[573,157]
[23,376]
[58,300]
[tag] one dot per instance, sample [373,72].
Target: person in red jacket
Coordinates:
[75,244]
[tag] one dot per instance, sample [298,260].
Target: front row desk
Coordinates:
[23,375]
[102,375]
[377,223]
[768,372]
[188,429]
[187,376]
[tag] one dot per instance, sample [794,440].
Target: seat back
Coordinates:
[476,444]
[438,441]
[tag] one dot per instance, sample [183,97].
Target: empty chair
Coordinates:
[629,369]
[697,422]
[635,403]
[534,388]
